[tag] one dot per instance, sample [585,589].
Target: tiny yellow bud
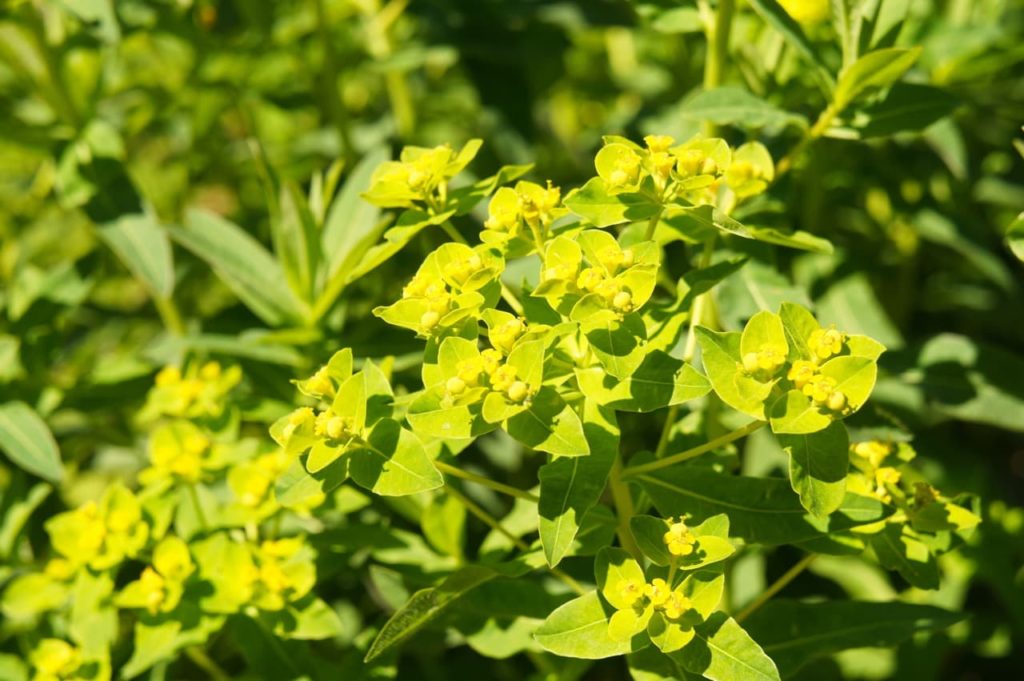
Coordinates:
[628,258]
[750,362]
[837,401]
[623,301]
[168,376]
[429,319]
[659,143]
[335,427]
[455,386]
[210,371]
[518,391]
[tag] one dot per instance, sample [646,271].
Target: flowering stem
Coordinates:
[623,501]
[696,314]
[776,587]
[494,524]
[695,452]
[486,482]
[169,314]
[653,224]
[718,50]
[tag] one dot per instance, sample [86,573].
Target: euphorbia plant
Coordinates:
[569,317]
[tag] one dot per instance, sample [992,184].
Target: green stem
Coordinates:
[817,130]
[624,510]
[169,315]
[203,661]
[776,587]
[329,82]
[494,524]
[695,452]
[718,51]
[486,482]
[652,225]
[696,314]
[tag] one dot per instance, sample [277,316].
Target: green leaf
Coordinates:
[908,107]
[795,413]
[723,651]
[444,522]
[28,442]
[877,69]
[649,533]
[593,203]
[617,344]
[720,353]
[650,664]
[760,510]
[779,19]
[160,639]
[818,464]
[296,486]
[311,619]
[466,198]
[429,415]
[612,567]
[425,605]
[854,376]
[703,220]
[549,425]
[795,633]
[352,224]
[660,381]
[799,324]
[797,239]
[731,105]
[571,486]
[145,250]
[898,548]
[580,629]
[241,263]
[763,330]
[1015,237]
[393,462]
[851,304]
[297,241]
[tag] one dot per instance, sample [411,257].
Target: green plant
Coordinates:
[301,380]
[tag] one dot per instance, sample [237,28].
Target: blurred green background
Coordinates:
[113,108]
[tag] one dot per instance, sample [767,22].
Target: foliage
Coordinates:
[300,378]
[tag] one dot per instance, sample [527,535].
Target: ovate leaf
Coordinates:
[723,651]
[818,463]
[393,463]
[580,629]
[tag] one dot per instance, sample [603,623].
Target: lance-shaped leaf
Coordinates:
[660,381]
[877,69]
[242,263]
[28,442]
[818,463]
[393,462]
[795,633]
[549,425]
[593,203]
[143,246]
[579,629]
[760,510]
[425,605]
[571,486]
[722,651]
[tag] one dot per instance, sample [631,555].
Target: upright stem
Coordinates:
[696,313]
[623,508]
[329,80]
[169,315]
[652,225]
[718,50]
[776,587]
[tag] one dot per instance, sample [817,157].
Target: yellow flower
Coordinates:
[630,590]
[680,540]
[505,335]
[502,378]
[820,388]
[54,658]
[874,451]
[826,342]
[807,11]
[801,372]
[658,592]
[659,143]
[590,278]
[676,606]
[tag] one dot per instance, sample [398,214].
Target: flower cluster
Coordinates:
[420,176]
[528,210]
[197,393]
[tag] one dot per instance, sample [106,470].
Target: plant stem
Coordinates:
[486,482]
[718,51]
[653,224]
[696,314]
[494,524]
[694,452]
[169,315]
[623,501]
[817,130]
[329,82]
[203,661]
[776,587]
